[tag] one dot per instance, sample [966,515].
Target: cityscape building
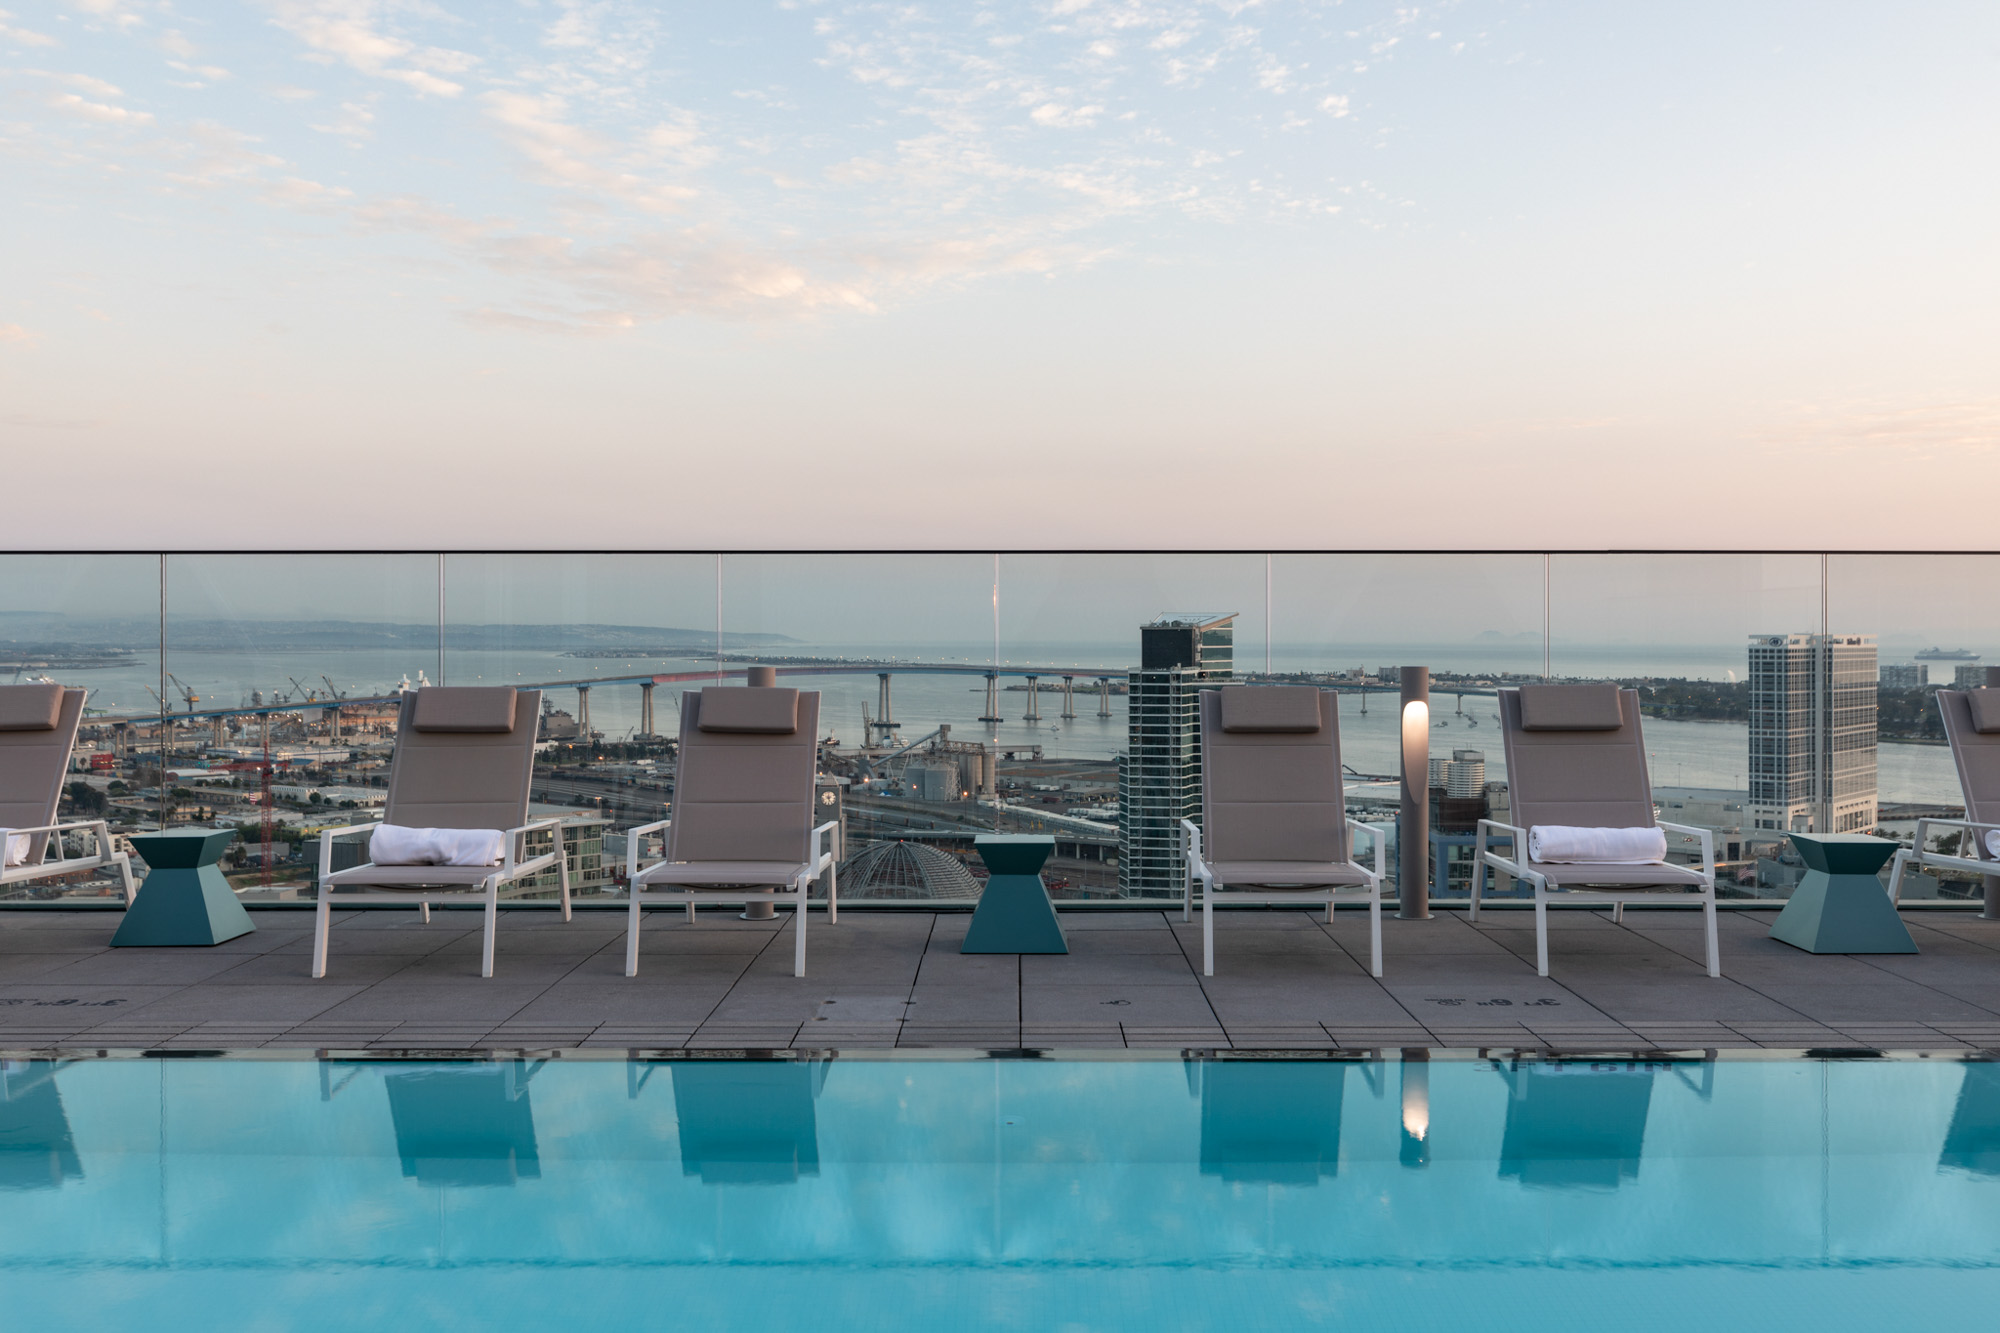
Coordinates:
[1159,775]
[1905,676]
[1968,676]
[1813,732]
[1464,775]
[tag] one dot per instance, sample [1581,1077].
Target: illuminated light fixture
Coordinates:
[1413,841]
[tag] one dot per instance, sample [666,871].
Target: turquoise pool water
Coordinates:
[1445,1194]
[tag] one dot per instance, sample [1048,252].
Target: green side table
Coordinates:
[184,899]
[1014,914]
[1840,906]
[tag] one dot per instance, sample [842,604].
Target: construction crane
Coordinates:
[333,713]
[303,692]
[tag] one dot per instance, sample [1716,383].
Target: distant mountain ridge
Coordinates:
[23,628]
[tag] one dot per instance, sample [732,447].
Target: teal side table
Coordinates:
[1840,907]
[1015,914]
[184,899]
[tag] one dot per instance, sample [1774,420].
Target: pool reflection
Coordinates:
[748,1122]
[1271,1122]
[465,1127]
[37,1151]
[1575,1126]
[1972,1142]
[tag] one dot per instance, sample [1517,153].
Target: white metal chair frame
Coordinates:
[1195,866]
[1518,867]
[105,855]
[1969,829]
[514,865]
[819,860]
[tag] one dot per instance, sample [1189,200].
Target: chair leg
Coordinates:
[562,875]
[1541,931]
[1714,943]
[424,907]
[1617,913]
[1207,935]
[1329,911]
[1187,893]
[833,895]
[492,925]
[322,919]
[125,877]
[1896,876]
[799,945]
[1375,933]
[632,936]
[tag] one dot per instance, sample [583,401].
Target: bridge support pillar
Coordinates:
[1104,696]
[885,720]
[1034,713]
[1069,697]
[992,713]
[583,713]
[646,711]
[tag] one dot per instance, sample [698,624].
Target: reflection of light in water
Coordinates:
[1416,1107]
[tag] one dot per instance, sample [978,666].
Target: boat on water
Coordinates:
[1936,654]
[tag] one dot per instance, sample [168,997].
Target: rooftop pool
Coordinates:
[1449,1193]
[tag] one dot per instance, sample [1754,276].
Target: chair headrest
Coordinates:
[1570,708]
[1268,708]
[30,707]
[463,708]
[756,710]
[1985,705]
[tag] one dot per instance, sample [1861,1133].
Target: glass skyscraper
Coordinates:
[1159,776]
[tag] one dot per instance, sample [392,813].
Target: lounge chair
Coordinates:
[742,828]
[464,759]
[1273,817]
[37,731]
[1972,725]
[1576,759]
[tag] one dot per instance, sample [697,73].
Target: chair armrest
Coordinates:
[1516,835]
[1191,848]
[1966,825]
[1379,835]
[517,838]
[326,837]
[1706,837]
[823,837]
[634,840]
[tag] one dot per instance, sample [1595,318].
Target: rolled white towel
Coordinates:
[1993,841]
[17,847]
[401,845]
[1597,846]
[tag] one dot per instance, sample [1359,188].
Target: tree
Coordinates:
[85,799]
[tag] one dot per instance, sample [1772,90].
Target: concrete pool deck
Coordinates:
[1284,980]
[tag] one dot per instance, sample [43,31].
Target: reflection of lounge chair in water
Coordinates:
[1972,1143]
[470,1126]
[36,1150]
[1575,1126]
[1272,1122]
[748,1122]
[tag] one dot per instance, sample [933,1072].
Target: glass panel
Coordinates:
[1351,621]
[898,647]
[282,673]
[1114,648]
[1933,630]
[610,640]
[88,621]
[1720,648]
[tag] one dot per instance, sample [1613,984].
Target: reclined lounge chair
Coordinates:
[458,810]
[1576,765]
[1972,725]
[742,828]
[37,731]
[1274,825]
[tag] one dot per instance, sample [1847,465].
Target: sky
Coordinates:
[1072,274]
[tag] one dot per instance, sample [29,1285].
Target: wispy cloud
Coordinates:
[1906,433]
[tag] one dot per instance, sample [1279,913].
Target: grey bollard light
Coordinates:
[1990,884]
[1413,841]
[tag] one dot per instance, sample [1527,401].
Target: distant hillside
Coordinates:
[26,629]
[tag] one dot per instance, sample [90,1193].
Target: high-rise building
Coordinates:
[1899,676]
[1812,732]
[1968,676]
[1465,775]
[1159,776]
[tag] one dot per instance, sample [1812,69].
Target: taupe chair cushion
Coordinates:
[1592,778]
[464,779]
[1270,708]
[1976,755]
[464,708]
[744,795]
[1984,706]
[33,765]
[751,710]
[1570,708]
[1284,874]
[1273,796]
[30,707]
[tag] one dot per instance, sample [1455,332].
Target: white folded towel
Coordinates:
[1597,846]
[1993,841]
[401,845]
[17,847]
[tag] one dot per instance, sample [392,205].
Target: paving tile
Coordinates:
[1116,1002]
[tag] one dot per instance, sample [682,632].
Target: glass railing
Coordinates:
[970,692]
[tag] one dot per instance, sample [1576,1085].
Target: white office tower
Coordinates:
[1465,775]
[1159,775]
[1812,732]
[1439,765]
[1897,676]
